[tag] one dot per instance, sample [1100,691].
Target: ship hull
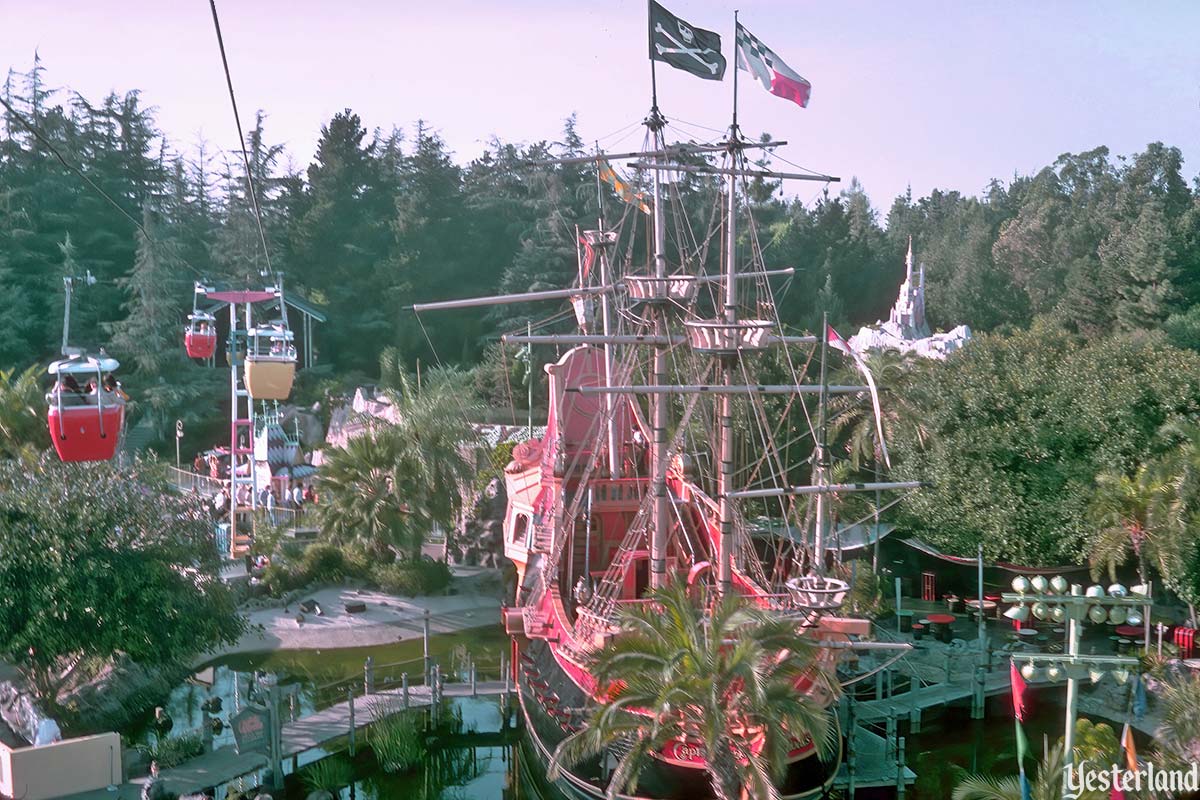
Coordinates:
[539,678]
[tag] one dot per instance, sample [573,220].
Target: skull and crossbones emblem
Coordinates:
[686,37]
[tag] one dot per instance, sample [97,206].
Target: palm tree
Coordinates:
[1131,514]
[852,419]
[1177,741]
[719,675]
[1178,555]
[1047,786]
[22,416]
[390,486]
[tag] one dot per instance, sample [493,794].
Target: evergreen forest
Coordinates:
[1081,283]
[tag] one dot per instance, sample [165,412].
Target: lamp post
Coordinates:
[1049,599]
[178,438]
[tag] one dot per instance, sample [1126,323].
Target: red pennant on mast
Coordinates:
[589,257]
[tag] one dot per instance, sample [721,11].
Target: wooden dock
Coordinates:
[225,764]
[938,694]
[875,764]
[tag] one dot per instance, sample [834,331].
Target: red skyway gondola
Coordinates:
[200,336]
[86,413]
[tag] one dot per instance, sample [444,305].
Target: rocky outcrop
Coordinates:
[19,714]
[305,422]
[481,540]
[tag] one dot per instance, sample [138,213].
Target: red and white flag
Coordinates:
[776,77]
[589,258]
[1131,757]
[838,343]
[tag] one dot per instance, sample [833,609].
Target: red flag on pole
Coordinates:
[776,77]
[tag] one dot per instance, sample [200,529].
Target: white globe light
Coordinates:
[1029,671]
[1117,590]
[1134,618]
[1059,584]
[1058,613]
[1054,672]
[1041,610]
[1019,612]
[1095,591]
[1020,584]
[1117,615]
[1039,583]
[1097,614]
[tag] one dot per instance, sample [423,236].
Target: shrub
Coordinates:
[173,752]
[324,563]
[413,578]
[327,775]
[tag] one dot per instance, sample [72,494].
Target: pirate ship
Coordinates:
[659,435]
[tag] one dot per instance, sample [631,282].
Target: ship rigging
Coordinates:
[616,498]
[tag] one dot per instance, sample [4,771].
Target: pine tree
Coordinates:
[1137,259]
[158,374]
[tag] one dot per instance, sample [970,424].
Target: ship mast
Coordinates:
[820,465]
[725,473]
[614,456]
[659,512]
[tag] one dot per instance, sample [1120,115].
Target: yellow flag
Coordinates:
[623,190]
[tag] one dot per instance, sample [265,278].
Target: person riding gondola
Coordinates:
[113,387]
[67,385]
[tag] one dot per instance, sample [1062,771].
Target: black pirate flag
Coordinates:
[683,46]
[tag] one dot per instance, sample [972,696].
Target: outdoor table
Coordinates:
[1128,630]
[941,625]
[988,605]
[1027,632]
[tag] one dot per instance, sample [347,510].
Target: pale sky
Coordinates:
[932,94]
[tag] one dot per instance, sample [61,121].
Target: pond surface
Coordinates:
[310,678]
[948,745]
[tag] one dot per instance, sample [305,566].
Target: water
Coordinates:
[949,745]
[310,677]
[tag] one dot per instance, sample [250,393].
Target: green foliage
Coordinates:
[718,673]
[395,736]
[96,561]
[502,455]
[22,416]
[1045,785]
[1013,431]
[171,752]
[412,578]
[330,774]
[391,485]
[1183,329]
[1177,742]
[320,563]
